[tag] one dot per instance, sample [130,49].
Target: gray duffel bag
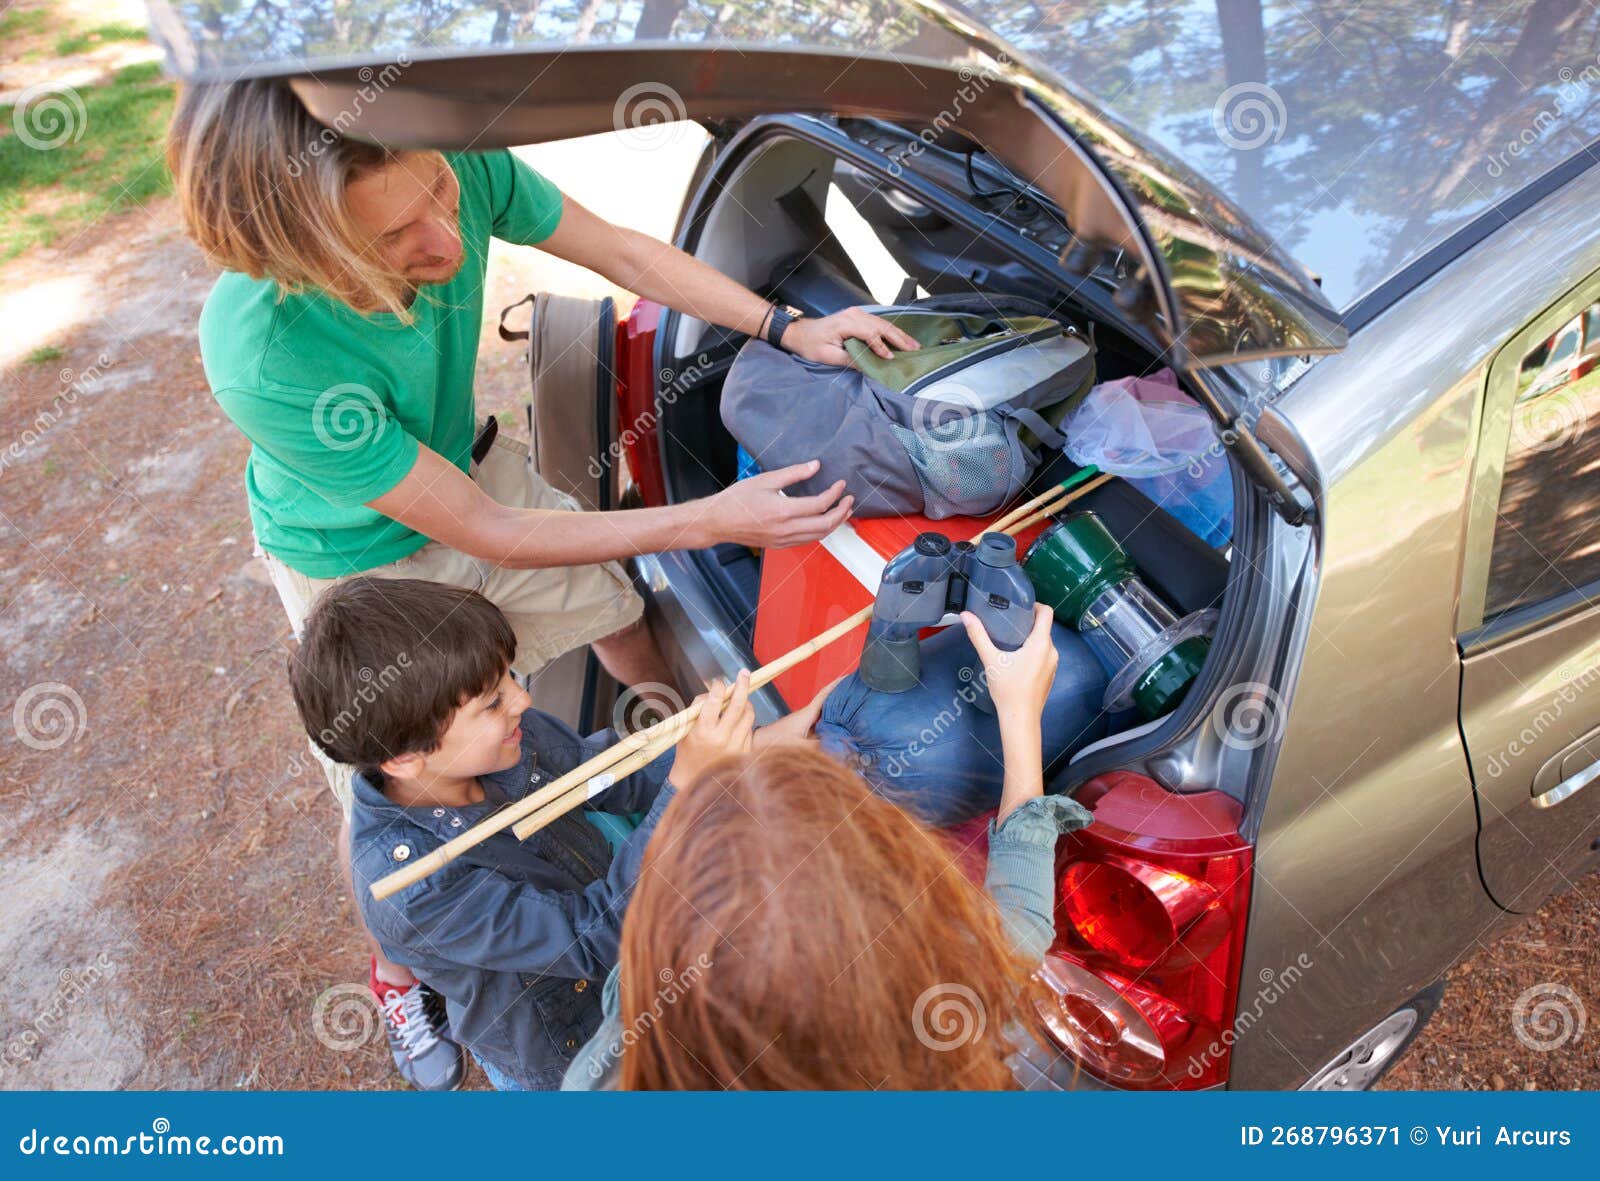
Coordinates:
[954,428]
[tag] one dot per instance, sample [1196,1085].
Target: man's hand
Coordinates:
[797,725]
[822,340]
[755,512]
[722,730]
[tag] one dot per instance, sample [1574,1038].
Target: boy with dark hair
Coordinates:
[410,682]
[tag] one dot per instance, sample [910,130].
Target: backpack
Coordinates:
[955,428]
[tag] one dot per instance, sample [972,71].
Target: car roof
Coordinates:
[1360,136]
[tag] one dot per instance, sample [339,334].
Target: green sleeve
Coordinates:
[342,443]
[525,206]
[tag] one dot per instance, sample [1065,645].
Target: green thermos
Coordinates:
[1152,655]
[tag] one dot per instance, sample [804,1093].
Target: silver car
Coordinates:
[1387,751]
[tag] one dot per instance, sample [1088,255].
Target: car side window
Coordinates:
[1547,524]
[1566,344]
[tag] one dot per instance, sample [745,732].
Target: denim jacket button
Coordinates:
[572,1043]
[455,822]
[401,852]
[438,811]
[580,986]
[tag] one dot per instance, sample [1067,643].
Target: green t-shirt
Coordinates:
[335,402]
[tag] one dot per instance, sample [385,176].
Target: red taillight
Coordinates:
[1151,921]
[636,401]
[1583,368]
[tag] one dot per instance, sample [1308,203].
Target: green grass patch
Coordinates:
[86,154]
[86,39]
[46,352]
[23,22]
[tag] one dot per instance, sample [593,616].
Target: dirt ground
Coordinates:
[172,907]
[173,914]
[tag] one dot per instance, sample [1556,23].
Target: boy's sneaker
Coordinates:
[414,1020]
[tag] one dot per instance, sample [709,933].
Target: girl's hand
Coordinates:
[722,730]
[795,726]
[1020,681]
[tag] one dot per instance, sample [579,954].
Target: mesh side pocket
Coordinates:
[963,463]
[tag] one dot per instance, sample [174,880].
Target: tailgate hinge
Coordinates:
[1264,469]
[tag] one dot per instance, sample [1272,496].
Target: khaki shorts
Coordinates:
[551,610]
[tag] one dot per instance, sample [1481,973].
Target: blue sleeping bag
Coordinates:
[931,750]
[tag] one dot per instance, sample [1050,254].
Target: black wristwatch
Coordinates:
[782,316]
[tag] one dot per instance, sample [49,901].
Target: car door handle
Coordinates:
[1568,787]
[1567,763]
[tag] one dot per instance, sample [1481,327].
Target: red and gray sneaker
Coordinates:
[414,1020]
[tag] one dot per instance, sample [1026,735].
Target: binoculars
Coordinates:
[932,578]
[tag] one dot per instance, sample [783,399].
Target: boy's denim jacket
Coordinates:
[517,936]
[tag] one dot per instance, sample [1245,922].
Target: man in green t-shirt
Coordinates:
[342,339]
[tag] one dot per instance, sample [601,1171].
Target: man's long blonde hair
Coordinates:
[262,188]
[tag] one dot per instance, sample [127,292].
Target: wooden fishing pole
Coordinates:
[676,726]
[576,794]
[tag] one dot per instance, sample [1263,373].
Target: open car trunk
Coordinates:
[793,210]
